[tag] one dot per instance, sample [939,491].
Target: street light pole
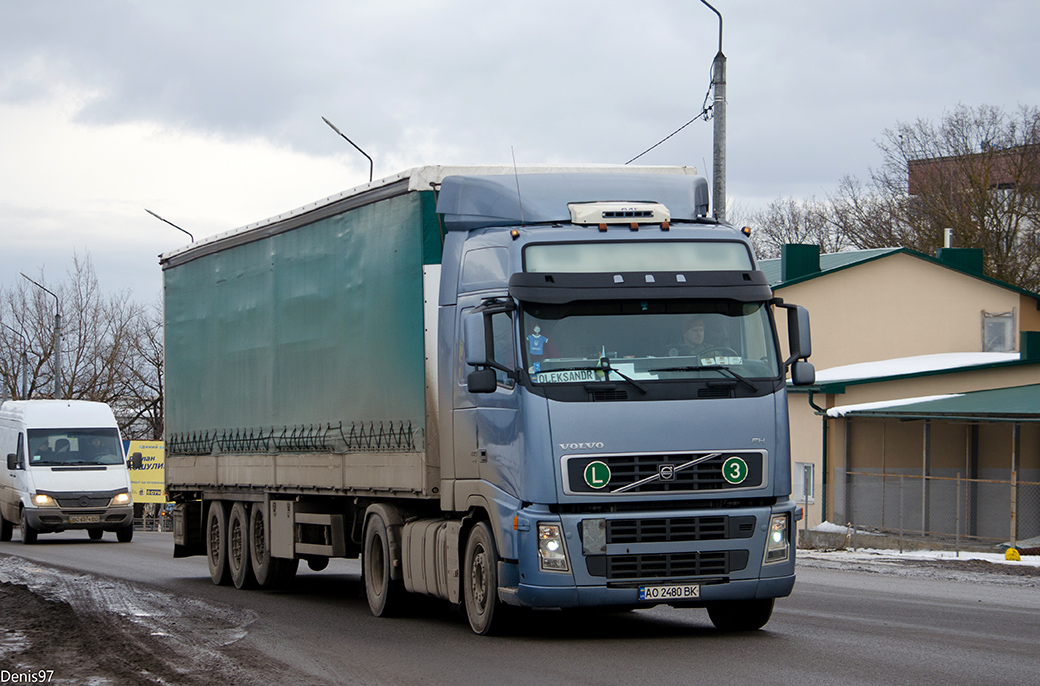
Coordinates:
[718,78]
[57,337]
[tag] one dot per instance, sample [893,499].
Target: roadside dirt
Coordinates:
[58,627]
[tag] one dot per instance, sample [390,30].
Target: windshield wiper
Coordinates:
[709,368]
[606,368]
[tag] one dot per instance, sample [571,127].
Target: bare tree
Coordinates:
[976,172]
[111,347]
[787,220]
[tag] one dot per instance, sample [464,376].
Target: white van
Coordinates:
[65,470]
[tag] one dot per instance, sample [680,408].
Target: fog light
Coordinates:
[552,556]
[777,545]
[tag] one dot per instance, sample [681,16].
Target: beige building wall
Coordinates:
[900,306]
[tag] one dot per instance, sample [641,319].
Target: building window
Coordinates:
[998,332]
[802,482]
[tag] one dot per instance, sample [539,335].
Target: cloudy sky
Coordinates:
[209,113]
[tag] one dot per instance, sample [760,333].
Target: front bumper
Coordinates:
[53,519]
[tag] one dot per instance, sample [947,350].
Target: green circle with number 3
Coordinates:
[734,470]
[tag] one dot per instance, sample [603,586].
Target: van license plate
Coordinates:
[682,592]
[84,519]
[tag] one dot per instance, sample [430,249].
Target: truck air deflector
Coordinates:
[470,202]
[744,286]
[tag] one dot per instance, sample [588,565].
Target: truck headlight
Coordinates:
[41,500]
[120,499]
[552,555]
[778,546]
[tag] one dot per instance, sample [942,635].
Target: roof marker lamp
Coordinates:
[778,545]
[552,555]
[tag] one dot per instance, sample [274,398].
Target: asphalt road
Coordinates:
[844,626]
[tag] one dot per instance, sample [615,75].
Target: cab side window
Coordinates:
[505,351]
[20,452]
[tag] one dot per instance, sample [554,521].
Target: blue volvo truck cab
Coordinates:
[626,461]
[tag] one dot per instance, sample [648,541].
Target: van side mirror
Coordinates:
[803,373]
[12,461]
[136,461]
[473,339]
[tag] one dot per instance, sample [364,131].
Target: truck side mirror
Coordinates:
[473,339]
[482,381]
[136,461]
[798,332]
[12,461]
[803,373]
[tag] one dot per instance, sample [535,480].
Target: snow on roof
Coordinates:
[909,366]
[843,410]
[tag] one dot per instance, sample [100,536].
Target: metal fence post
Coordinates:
[900,513]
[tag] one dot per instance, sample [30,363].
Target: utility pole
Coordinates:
[718,78]
[57,337]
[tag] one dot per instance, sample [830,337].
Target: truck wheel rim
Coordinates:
[479,578]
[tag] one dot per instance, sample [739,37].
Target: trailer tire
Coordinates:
[740,615]
[238,556]
[29,534]
[6,529]
[216,544]
[383,592]
[269,572]
[480,580]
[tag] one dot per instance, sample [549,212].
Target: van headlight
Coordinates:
[552,555]
[121,499]
[41,500]
[778,544]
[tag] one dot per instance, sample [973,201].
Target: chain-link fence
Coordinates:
[981,510]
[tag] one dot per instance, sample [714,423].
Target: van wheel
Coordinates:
[29,534]
[216,543]
[740,615]
[238,547]
[383,592]
[480,580]
[95,534]
[6,528]
[270,572]
[125,534]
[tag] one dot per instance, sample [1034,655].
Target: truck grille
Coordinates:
[663,472]
[667,565]
[667,529]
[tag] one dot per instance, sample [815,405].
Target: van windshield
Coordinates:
[60,447]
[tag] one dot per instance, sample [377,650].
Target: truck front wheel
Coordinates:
[384,594]
[238,547]
[740,615]
[480,579]
[216,543]
[270,572]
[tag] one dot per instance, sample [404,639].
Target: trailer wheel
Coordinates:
[238,547]
[29,534]
[216,543]
[6,529]
[383,592]
[740,615]
[270,572]
[480,580]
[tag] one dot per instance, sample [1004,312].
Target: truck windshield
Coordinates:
[60,447]
[651,340]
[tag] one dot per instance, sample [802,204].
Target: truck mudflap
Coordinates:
[525,595]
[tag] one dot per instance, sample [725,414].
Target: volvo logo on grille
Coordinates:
[666,472]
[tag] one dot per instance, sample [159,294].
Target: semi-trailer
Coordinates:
[534,387]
